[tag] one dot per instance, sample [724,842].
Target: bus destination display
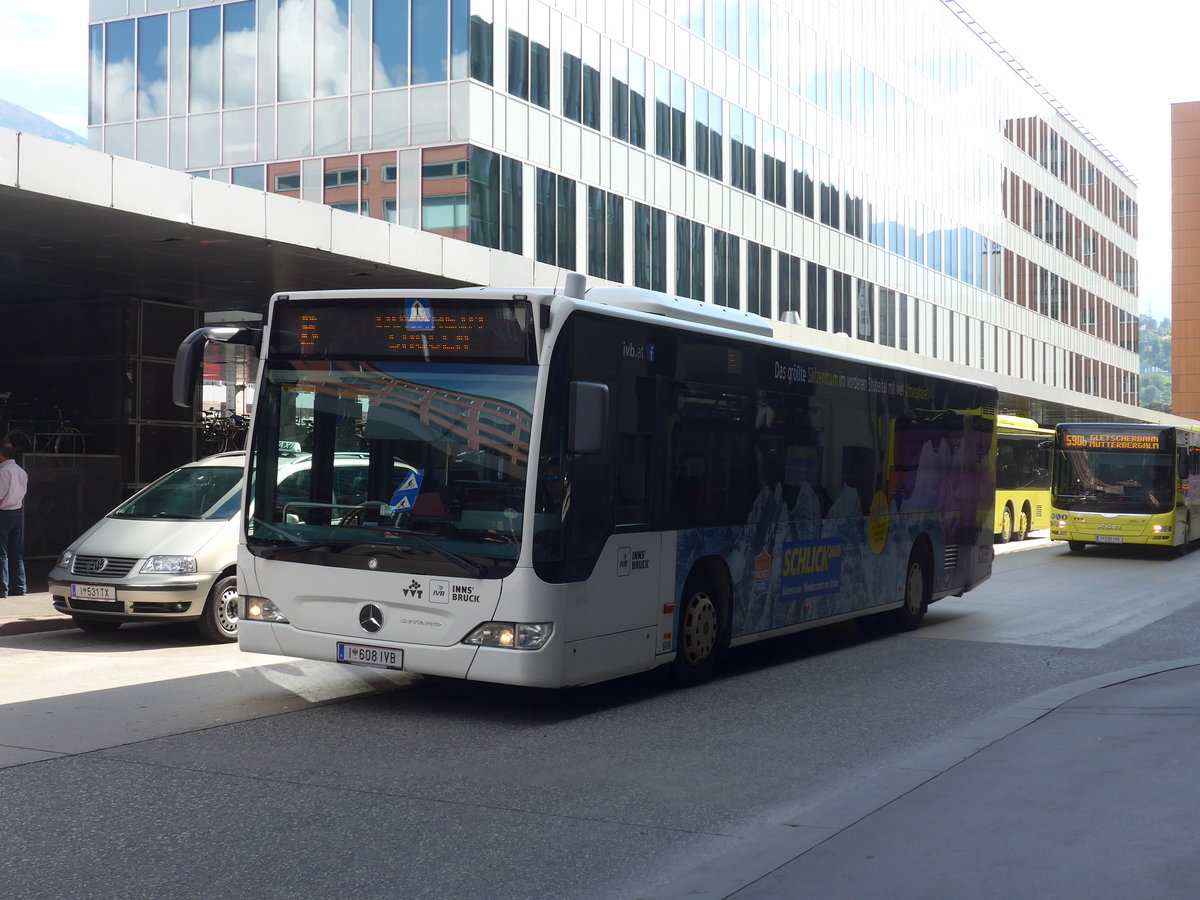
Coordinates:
[407,327]
[1115,440]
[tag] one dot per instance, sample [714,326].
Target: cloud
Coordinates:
[44,58]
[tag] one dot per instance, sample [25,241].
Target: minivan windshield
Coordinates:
[192,492]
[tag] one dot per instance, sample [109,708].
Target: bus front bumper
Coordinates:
[533,668]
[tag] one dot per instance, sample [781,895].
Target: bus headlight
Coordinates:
[170,565]
[511,635]
[1161,529]
[260,609]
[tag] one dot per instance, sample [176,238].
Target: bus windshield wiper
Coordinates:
[282,549]
[442,551]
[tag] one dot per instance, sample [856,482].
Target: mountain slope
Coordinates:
[18,118]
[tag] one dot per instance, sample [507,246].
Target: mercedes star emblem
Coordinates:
[370,617]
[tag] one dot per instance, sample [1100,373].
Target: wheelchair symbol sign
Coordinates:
[419,315]
[406,492]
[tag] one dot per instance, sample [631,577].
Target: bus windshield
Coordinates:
[1118,481]
[413,467]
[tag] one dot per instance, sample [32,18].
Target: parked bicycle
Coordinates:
[221,430]
[33,427]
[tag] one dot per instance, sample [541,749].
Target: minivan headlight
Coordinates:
[170,565]
[65,559]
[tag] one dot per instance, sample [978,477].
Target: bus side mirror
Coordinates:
[588,417]
[190,355]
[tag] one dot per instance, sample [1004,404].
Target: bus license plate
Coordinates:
[1108,539]
[366,655]
[94,592]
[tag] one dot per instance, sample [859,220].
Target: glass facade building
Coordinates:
[861,168]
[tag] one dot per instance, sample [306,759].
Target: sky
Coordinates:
[1115,65]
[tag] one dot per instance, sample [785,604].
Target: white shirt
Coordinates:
[13,481]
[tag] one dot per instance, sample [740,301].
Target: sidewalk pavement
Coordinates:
[33,611]
[1089,790]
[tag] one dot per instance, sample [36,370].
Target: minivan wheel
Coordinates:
[219,621]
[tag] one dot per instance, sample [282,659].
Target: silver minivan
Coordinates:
[169,552]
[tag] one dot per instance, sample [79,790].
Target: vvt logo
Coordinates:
[413,589]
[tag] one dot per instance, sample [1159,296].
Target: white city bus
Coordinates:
[595,483]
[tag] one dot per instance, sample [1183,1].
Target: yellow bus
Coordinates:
[1022,478]
[1125,484]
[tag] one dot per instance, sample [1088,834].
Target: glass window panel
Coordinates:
[204,141]
[430,114]
[546,216]
[484,211]
[460,38]
[444,212]
[152,142]
[539,74]
[204,59]
[237,136]
[390,43]
[615,251]
[518,64]
[333,49]
[152,95]
[637,100]
[678,119]
[482,41]
[96,74]
[511,207]
[430,41]
[249,176]
[572,85]
[389,119]
[119,140]
[268,35]
[295,130]
[118,72]
[331,125]
[241,53]
[177,128]
[591,80]
[566,223]
[295,49]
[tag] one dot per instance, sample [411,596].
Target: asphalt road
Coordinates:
[140,764]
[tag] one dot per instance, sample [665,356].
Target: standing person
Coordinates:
[13,481]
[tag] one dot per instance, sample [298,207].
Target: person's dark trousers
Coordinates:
[12,564]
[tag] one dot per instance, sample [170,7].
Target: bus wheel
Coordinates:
[219,621]
[916,595]
[1006,526]
[703,629]
[1021,531]
[1076,546]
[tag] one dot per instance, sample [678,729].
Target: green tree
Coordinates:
[1155,357]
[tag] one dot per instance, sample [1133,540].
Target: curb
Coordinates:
[752,856]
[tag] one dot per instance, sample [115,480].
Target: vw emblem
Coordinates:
[101,564]
[370,617]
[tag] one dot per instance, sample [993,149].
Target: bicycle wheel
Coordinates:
[68,439]
[22,441]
